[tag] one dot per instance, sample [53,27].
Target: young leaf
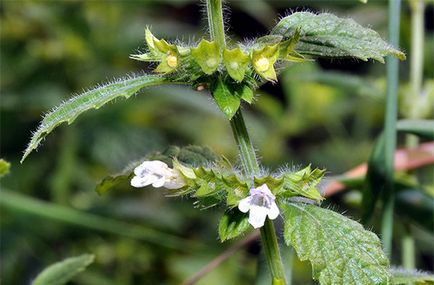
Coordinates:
[326,35]
[225,98]
[232,224]
[61,272]
[422,128]
[403,276]
[340,250]
[68,111]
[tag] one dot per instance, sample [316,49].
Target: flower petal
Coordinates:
[257,216]
[159,182]
[139,182]
[273,211]
[244,204]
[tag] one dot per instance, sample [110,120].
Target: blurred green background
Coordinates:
[326,113]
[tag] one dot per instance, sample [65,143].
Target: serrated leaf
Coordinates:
[326,35]
[4,167]
[68,111]
[405,276]
[225,98]
[207,55]
[232,224]
[235,61]
[61,272]
[422,128]
[340,250]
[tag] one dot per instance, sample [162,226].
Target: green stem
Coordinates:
[215,22]
[250,164]
[390,127]
[408,250]
[247,153]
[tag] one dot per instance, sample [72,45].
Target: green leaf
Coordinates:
[418,207]
[61,272]
[374,179]
[326,35]
[207,55]
[232,224]
[4,167]
[225,98]
[340,250]
[68,111]
[235,61]
[111,182]
[403,276]
[422,128]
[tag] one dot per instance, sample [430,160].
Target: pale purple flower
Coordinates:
[261,204]
[158,174]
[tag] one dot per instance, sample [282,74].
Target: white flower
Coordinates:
[260,203]
[158,174]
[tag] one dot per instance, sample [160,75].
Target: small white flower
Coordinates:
[158,174]
[260,203]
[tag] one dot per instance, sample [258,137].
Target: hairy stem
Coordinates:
[215,22]
[247,153]
[390,127]
[268,235]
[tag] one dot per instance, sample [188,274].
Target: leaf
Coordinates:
[374,180]
[422,128]
[340,250]
[232,224]
[326,35]
[404,276]
[418,206]
[61,272]
[111,182]
[4,167]
[68,111]
[225,98]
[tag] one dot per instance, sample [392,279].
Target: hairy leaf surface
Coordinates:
[61,272]
[340,250]
[403,276]
[68,111]
[326,35]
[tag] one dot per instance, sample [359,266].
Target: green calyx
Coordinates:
[220,183]
[263,61]
[207,55]
[235,61]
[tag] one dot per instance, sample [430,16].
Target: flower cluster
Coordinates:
[260,203]
[262,56]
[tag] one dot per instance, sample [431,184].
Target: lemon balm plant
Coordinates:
[340,250]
